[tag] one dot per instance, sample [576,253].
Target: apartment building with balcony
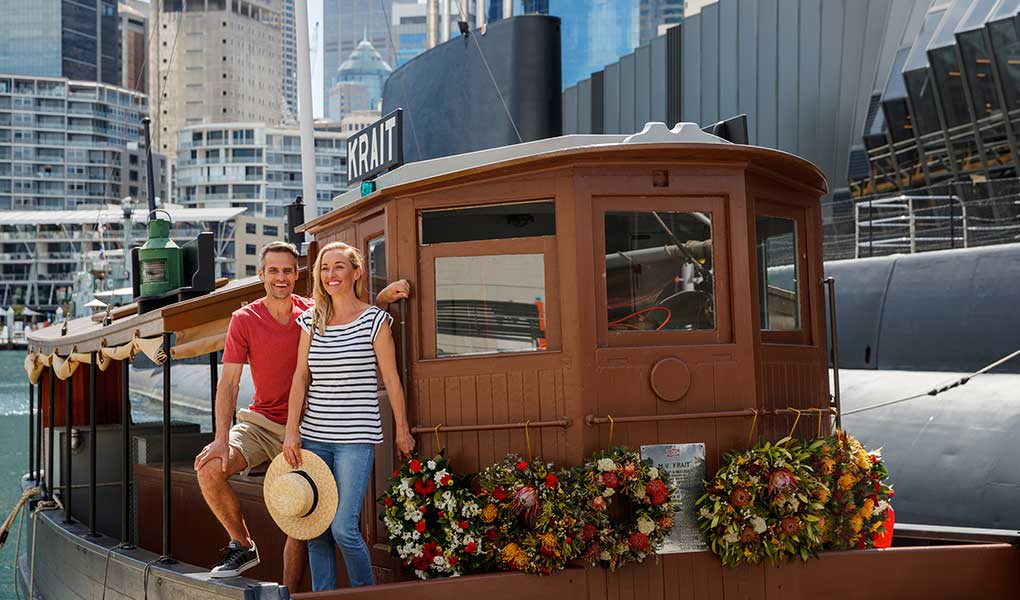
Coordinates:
[66,144]
[256,167]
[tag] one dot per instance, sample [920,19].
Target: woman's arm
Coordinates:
[386,356]
[296,404]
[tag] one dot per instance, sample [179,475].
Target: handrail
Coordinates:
[916,531]
[564,422]
[592,420]
[831,284]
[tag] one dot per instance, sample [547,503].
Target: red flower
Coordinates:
[588,532]
[638,542]
[656,491]
[748,535]
[546,551]
[419,487]
[415,466]
[499,493]
[463,524]
[550,481]
[446,480]
[395,473]
[598,503]
[790,525]
[453,560]
[629,470]
[471,548]
[423,509]
[874,459]
[420,526]
[739,497]
[522,466]
[441,514]
[568,540]
[610,480]
[387,502]
[491,534]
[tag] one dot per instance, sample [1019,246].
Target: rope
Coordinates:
[935,391]
[6,527]
[754,422]
[795,421]
[498,93]
[612,425]
[439,447]
[527,437]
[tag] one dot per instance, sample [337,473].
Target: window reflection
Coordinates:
[777,274]
[488,304]
[376,266]
[659,272]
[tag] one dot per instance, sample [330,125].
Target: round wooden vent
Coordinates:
[670,379]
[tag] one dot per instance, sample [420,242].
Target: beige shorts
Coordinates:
[257,438]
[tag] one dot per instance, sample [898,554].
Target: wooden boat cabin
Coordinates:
[569,293]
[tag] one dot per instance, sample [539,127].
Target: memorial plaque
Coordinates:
[683,465]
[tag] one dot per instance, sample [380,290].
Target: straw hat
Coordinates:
[302,501]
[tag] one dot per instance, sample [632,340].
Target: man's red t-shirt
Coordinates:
[270,349]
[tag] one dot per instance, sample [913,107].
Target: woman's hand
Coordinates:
[405,443]
[292,449]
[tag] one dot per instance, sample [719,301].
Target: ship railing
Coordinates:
[897,222]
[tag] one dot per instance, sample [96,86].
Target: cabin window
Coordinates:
[778,282]
[493,222]
[489,273]
[376,266]
[659,271]
[489,304]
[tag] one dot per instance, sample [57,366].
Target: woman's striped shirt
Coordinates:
[343,397]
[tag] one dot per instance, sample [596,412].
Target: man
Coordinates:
[265,335]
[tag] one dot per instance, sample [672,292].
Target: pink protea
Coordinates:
[781,480]
[526,503]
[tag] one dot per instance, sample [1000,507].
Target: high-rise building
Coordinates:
[67,144]
[77,39]
[409,25]
[253,166]
[659,15]
[214,61]
[134,25]
[344,24]
[358,84]
[288,37]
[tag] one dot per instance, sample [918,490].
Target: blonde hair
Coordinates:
[323,303]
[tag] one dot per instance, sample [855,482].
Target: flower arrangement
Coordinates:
[620,476]
[764,503]
[528,516]
[433,521]
[855,498]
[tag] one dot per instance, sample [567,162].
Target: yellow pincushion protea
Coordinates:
[868,508]
[846,481]
[856,523]
[489,513]
[548,540]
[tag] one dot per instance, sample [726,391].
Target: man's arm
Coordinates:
[226,404]
[397,290]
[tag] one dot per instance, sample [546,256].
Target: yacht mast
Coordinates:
[305,110]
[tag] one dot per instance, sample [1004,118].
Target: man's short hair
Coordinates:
[278,246]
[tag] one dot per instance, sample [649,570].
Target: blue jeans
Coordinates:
[352,466]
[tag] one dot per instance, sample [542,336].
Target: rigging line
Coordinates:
[169,65]
[953,383]
[495,85]
[148,46]
[403,84]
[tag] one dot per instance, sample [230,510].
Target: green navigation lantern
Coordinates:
[160,258]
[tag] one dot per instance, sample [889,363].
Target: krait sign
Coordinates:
[376,148]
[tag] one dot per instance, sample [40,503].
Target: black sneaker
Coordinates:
[235,561]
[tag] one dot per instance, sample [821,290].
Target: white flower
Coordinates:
[431,465]
[882,506]
[645,525]
[608,492]
[653,473]
[759,524]
[604,555]
[438,477]
[793,503]
[730,537]
[639,492]
[606,464]
[705,513]
[415,535]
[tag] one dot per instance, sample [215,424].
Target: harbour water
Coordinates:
[14,441]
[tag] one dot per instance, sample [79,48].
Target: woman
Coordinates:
[342,343]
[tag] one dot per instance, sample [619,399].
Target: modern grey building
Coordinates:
[344,24]
[68,144]
[288,53]
[76,39]
[358,84]
[257,167]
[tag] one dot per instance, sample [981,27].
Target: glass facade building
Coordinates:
[595,33]
[76,39]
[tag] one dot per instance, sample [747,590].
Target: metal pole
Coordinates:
[431,23]
[213,378]
[403,345]
[305,126]
[49,453]
[93,434]
[65,468]
[831,284]
[952,226]
[125,427]
[31,431]
[39,435]
[963,215]
[167,528]
[913,226]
